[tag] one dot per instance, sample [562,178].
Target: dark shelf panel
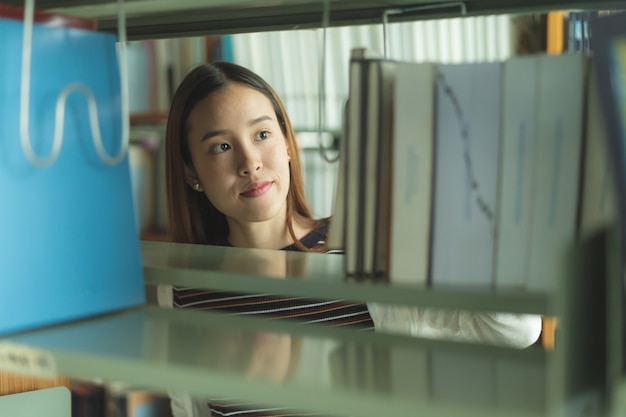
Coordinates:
[161,19]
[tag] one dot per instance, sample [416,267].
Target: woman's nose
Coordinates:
[250,160]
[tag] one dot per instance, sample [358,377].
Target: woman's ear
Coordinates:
[288,151]
[192,179]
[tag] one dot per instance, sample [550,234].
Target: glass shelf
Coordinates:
[339,371]
[313,275]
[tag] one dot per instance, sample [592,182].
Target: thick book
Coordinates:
[377,176]
[358,165]
[466,171]
[560,118]
[353,165]
[517,155]
[412,172]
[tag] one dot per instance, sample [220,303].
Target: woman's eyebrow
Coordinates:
[212,133]
[259,120]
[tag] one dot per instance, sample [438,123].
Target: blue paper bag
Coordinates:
[68,239]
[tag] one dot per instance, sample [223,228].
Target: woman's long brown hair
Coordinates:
[192,217]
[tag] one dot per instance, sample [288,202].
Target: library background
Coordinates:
[123,361]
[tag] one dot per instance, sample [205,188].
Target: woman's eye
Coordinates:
[219,148]
[262,135]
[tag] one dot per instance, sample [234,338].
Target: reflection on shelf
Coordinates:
[308,367]
[314,275]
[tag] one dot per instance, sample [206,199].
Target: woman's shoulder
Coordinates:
[316,239]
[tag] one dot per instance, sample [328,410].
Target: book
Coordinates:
[336,228]
[466,171]
[366,164]
[385,163]
[89,399]
[515,184]
[359,176]
[377,154]
[370,173]
[560,115]
[412,172]
[598,200]
[353,165]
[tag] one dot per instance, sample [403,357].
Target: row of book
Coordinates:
[480,174]
[157,66]
[441,377]
[93,399]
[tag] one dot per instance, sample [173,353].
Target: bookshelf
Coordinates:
[314,275]
[159,18]
[167,349]
[151,357]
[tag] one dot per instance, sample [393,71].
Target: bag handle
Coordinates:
[43,162]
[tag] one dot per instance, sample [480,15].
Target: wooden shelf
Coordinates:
[161,18]
[159,118]
[14,383]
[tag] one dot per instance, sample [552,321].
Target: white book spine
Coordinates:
[352,167]
[372,138]
[557,169]
[336,229]
[412,151]
[385,164]
[516,172]
[466,171]
[162,85]
[376,175]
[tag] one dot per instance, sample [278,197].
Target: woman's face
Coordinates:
[239,154]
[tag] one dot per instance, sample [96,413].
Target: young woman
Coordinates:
[233,168]
[234,179]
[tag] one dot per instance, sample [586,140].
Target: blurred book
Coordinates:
[517,154]
[412,172]
[466,172]
[378,164]
[556,170]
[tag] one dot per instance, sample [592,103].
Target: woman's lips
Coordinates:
[256,189]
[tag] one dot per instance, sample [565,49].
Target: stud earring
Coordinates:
[196,186]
